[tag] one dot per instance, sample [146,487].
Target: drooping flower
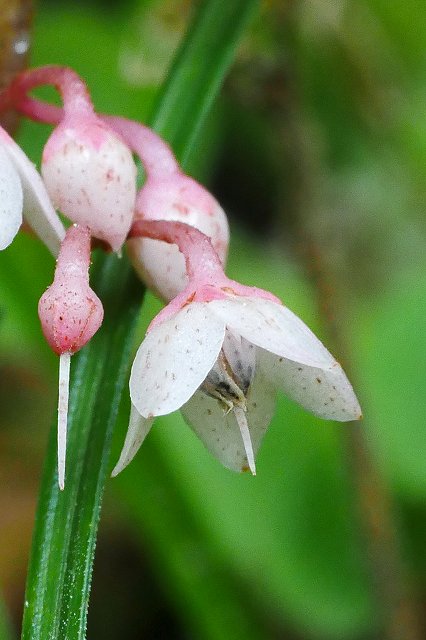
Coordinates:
[219,352]
[70,314]
[23,194]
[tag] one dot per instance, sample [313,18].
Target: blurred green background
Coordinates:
[317,150]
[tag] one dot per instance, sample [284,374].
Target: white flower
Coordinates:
[221,362]
[22,193]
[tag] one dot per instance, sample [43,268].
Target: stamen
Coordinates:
[222,385]
[64,379]
[241,419]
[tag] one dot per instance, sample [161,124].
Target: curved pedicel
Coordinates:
[88,170]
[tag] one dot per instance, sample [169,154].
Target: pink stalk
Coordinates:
[202,261]
[155,154]
[73,91]
[207,280]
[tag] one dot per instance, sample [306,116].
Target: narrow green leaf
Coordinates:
[198,71]
[66,523]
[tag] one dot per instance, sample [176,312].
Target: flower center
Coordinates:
[221,383]
[229,382]
[230,378]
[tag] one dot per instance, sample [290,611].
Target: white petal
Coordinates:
[273,327]
[219,431]
[174,359]
[11,200]
[326,392]
[139,428]
[38,209]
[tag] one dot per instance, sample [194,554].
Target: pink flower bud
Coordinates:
[91,177]
[70,312]
[180,198]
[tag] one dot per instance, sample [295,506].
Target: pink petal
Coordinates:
[70,312]
[91,177]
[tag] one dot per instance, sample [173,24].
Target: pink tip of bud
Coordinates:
[91,177]
[70,312]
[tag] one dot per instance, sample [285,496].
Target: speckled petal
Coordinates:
[174,359]
[11,200]
[219,431]
[325,392]
[273,327]
[38,209]
[91,177]
[139,428]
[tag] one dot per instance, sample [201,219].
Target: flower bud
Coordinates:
[91,177]
[179,198]
[70,312]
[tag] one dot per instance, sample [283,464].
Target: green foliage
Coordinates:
[395,370]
